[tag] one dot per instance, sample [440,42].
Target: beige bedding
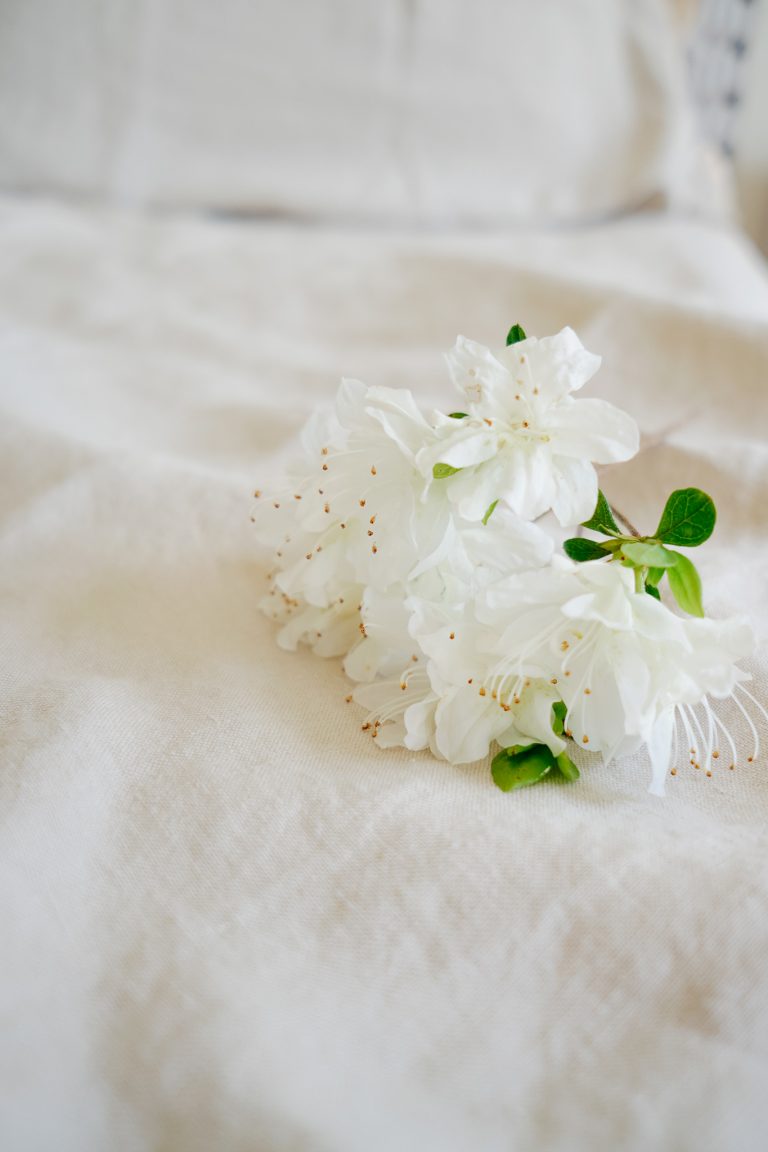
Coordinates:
[229,921]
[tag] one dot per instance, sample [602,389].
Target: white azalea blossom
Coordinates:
[462,632]
[525,439]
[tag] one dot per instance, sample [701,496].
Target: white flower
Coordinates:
[625,665]
[525,439]
[362,517]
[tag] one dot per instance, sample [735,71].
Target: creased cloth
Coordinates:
[229,920]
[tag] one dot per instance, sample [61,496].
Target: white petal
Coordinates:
[575,490]
[660,750]
[592,430]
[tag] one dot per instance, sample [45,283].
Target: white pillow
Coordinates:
[411,110]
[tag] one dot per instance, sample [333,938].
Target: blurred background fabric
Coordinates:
[229,920]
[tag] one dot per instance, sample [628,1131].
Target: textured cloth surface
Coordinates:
[418,110]
[229,920]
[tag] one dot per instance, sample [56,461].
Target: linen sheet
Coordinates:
[229,920]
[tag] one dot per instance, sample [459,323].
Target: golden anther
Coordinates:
[373,469]
[276,504]
[309,555]
[482,691]
[361,503]
[553,680]
[526,424]
[585,739]
[326,507]
[715,755]
[750,759]
[365,726]
[403,686]
[564,646]
[370,533]
[452,636]
[325,467]
[374,549]
[673,771]
[469,681]
[296,496]
[372,519]
[257,493]
[323,451]
[587,691]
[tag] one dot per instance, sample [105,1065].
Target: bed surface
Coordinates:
[229,920]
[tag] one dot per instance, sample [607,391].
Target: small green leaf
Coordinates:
[515,334]
[580,549]
[457,415]
[602,519]
[688,518]
[652,590]
[559,712]
[685,583]
[518,769]
[567,766]
[654,576]
[649,555]
[489,512]
[440,471]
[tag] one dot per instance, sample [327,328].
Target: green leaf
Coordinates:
[688,518]
[440,471]
[519,769]
[559,712]
[489,512]
[567,766]
[457,415]
[580,549]
[652,590]
[685,583]
[602,519]
[515,334]
[654,576]
[645,554]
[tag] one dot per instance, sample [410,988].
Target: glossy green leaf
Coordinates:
[489,512]
[688,518]
[559,712]
[685,583]
[457,415]
[581,550]
[645,554]
[652,590]
[567,766]
[519,769]
[602,519]
[515,334]
[440,471]
[654,576]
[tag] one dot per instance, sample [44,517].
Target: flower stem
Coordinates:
[627,523]
[639,579]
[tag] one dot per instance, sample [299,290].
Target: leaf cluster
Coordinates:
[687,521]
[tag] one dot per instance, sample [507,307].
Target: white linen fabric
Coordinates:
[229,920]
[425,110]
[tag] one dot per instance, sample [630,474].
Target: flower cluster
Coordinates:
[411,545]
